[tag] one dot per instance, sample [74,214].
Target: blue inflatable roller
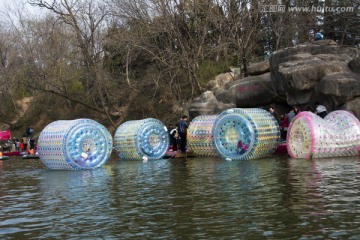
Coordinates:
[74,145]
[241,134]
[141,139]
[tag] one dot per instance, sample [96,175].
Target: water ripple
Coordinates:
[275,198]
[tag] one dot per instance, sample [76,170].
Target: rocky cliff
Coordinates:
[312,72]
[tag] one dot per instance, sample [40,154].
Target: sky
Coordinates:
[7,6]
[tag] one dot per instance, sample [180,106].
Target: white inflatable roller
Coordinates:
[141,139]
[310,136]
[74,144]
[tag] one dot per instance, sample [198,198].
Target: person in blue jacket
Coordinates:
[318,35]
[182,127]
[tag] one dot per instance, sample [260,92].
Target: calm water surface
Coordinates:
[275,198]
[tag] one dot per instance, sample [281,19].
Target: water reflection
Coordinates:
[80,197]
[68,181]
[312,194]
[339,186]
[304,180]
[275,198]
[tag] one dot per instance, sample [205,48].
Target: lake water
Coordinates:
[274,198]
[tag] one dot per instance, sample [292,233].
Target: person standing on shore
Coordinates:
[173,139]
[27,131]
[296,110]
[170,128]
[321,110]
[284,124]
[272,111]
[24,141]
[318,35]
[290,115]
[32,143]
[182,127]
[17,145]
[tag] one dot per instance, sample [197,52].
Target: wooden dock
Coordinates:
[170,154]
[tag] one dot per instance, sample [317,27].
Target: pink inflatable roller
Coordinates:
[310,136]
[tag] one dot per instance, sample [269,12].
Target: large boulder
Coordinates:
[345,85]
[258,68]
[355,65]
[300,98]
[312,72]
[336,89]
[220,81]
[352,106]
[207,104]
[249,91]
[304,74]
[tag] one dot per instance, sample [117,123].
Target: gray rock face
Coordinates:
[297,71]
[302,75]
[355,65]
[345,85]
[258,68]
[207,104]
[258,88]
[353,106]
[220,81]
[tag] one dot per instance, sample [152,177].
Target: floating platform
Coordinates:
[30,156]
[15,153]
[171,154]
[281,149]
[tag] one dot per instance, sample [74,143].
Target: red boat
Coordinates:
[16,153]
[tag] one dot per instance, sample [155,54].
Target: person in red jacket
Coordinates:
[241,147]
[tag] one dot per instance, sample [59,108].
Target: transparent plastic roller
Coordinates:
[310,136]
[141,139]
[74,145]
[241,134]
[199,136]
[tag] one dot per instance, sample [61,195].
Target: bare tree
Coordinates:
[174,34]
[87,23]
[342,26]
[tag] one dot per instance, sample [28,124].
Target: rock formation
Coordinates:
[207,104]
[301,75]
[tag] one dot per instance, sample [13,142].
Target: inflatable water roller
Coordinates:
[235,134]
[199,136]
[74,145]
[141,139]
[310,136]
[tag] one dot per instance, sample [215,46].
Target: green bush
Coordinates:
[75,87]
